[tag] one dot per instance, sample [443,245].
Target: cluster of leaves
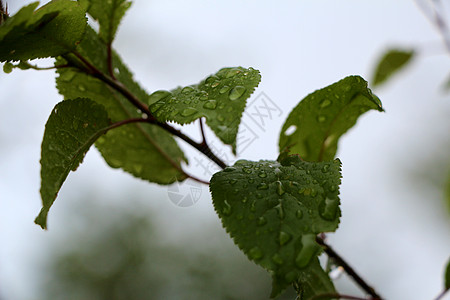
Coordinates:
[273,209]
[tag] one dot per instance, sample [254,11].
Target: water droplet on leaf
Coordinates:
[280,211]
[226,210]
[284,238]
[308,251]
[261,221]
[255,253]
[187,89]
[262,174]
[158,95]
[299,214]
[280,189]
[210,104]
[188,112]
[321,119]
[262,186]
[236,92]
[224,89]
[232,181]
[81,88]
[325,103]
[328,209]
[276,258]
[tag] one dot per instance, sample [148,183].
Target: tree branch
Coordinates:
[348,269]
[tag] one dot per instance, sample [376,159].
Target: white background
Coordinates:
[395,227]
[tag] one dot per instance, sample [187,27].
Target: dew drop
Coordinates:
[211,104]
[226,210]
[232,181]
[262,186]
[280,211]
[188,112]
[224,89]
[321,119]
[299,214]
[81,88]
[232,73]
[236,92]
[262,174]
[261,221]
[290,130]
[251,180]
[253,206]
[308,251]
[255,253]
[325,103]
[187,89]
[328,209]
[66,76]
[325,168]
[247,170]
[158,95]
[244,200]
[313,192]
[220,118]
[280,189]
[284,238]
[187,101]
[211,79]
[137,168]
[276,258]
[215,84]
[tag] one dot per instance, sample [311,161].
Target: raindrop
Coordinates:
[321,119]
[262,186]
[262,174]
[244,200]
[211,79]
[284,238]
[236,92]
[325,103]
[81,88]
[158,95]
[226,210]
[232,73]
[280,211]
[247,170]
[291,130]
[187,89]
[276,258]
[137,168]
[232,181]
[328,209]
[224,89]
[299,214]
[313,192]
[336,273]
[251,180]
[188,112]
[230,109]
[67,76]
[261,221]
[220,118]
[308,251]
[211,104]
[253,206]
[187,101]
[215,84]
[325,168]
[255,253]
[280,189]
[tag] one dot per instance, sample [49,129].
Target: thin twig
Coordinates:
[348,269]
[117,85]
[442,294]
[338,296]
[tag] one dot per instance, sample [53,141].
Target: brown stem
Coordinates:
[442,294]
[338,296]
[348,269]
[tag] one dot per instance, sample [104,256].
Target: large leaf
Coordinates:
[315,125]
[108,14]
[390,63]
[274,210]
[144,150]
[71,129]
[220,98]
[54,29]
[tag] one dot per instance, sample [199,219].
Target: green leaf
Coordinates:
[274,210]
[313,281]
[108,14]
[220,98]
[143,150]
[71,129]
[54,29]
[390,63]
[315,125]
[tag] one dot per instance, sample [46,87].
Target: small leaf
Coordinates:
[108,14]
[315,125]
[274,210]
[447,276]
[54,29]
[73,126]
[143,150]
[220,98]
[391,62]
